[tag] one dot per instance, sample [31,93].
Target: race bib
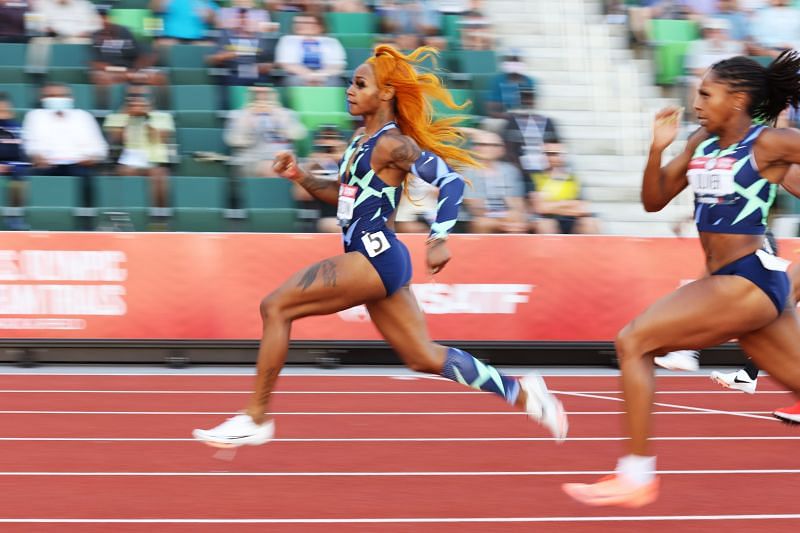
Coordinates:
[375,243]
[347,201]
[712,179]
[772,262]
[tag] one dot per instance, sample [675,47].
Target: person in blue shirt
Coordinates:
[734,165]
[507,86]
[399,139]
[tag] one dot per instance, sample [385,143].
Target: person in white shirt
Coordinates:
[62,141]
[59,21]
[308,57]
[775,28]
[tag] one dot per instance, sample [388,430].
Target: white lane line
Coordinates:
[510,473]
[401,520]
[695,411]
[674,406]
[404,439]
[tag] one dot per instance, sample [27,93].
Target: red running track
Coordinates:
[377,453]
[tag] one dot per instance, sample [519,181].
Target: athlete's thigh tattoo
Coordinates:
[328,270]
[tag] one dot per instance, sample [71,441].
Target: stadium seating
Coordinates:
[670,40]
[198,203]
[269,205]
[129,195]
[51,202]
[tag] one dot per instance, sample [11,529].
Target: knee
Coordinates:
[272,308]
[628,344]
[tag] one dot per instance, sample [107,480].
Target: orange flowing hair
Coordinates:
[414,92]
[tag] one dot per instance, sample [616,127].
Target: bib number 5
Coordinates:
[375,243]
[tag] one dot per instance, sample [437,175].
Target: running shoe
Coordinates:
[739,380]
[790,415]
[688,360]
[613,490]
[543,407]
[238,430]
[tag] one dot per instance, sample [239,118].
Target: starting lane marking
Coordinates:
[512,473]
[398,439]
[483,520]
[674,406]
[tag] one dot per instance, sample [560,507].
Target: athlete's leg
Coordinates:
[776,348]
[323,288]
[402,324]
[695,316]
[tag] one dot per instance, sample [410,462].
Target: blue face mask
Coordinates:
[58,103]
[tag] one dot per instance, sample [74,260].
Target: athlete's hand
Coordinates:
[665,126]
[438,255]
[285,165]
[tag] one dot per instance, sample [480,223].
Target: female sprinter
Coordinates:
[398,137]
[729,162]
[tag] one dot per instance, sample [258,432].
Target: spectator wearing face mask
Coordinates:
[505,88]
[308,56]
[62,141]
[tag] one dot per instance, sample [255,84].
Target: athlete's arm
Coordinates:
[324,190]
[777,153]
[661,184]
[406,156]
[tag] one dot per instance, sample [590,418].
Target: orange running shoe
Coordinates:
[790,415]
[613,490]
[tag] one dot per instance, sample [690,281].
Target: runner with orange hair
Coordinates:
[400,136]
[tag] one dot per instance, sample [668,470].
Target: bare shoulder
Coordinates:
[398,150]
[695,138]
[778,145]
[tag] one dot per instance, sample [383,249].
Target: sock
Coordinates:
[638,469]
[462,367]
[751,369]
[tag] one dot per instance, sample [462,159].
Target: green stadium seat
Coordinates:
[3,192]
[670,40]
[351,23]
[272,220]
[84,96]
[193,97]
[317,99]
[189,76]
[141,21]
[22,95]
[460,96]
[355,40]
[284,19]
[132,4]
[13,54]
[198,203]
[356,56]
[188,56]
[314,119]
[266,193]
[269,205]
[192,140]
[476,61]
[451,27]
[196,119]
[69,55]
[129,195]
[13,74]
[51,202]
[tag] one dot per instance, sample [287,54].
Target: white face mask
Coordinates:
[513,67]
[57,103]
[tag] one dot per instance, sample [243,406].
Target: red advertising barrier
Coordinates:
[208,286]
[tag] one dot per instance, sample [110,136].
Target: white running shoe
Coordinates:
[543,407]
[739,380]
[688,360]
[238,430]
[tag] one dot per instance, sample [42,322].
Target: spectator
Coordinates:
[348,6]
[738,25]
[715,45]
[525,133]
[257,18]
[505,87]
[411,22]
[260,130]
[117,58]
[416,210]
[184,20]
[476,32]
[496,200]
[62,141]
[246,54]
[323,162]
[308,57]
[12,159]
[12,21]
[60,21]
[555,195]
[146,140]
[775,28]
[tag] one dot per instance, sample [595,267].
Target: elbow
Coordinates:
[650,205]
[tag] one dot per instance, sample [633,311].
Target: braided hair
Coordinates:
[770,88]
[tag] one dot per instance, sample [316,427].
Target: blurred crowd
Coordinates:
[525,183]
